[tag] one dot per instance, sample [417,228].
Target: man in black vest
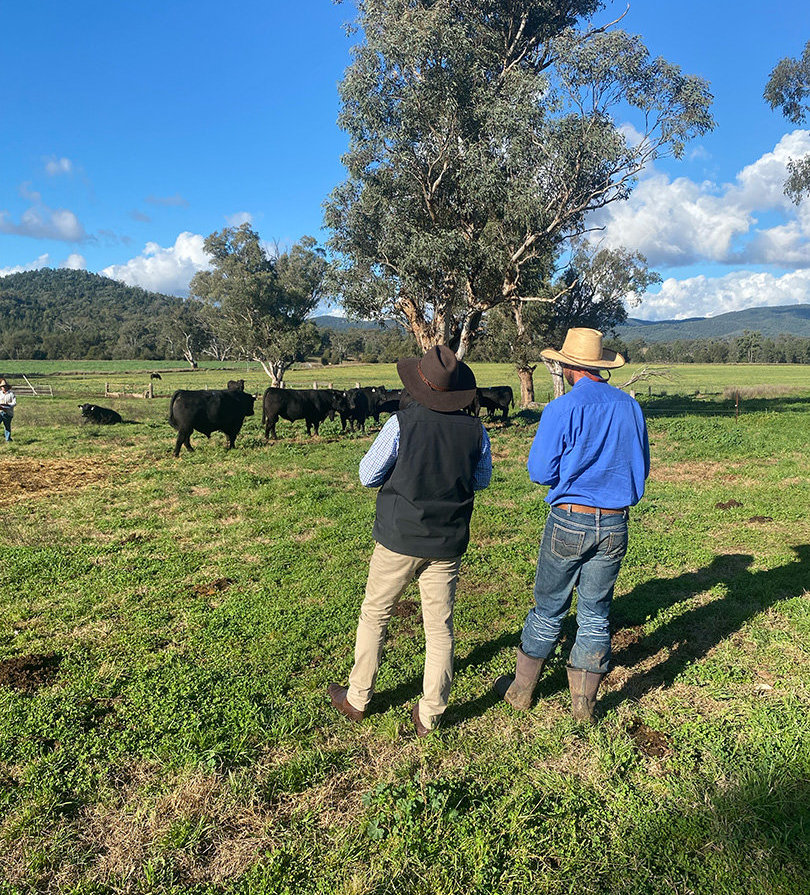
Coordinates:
[429,460]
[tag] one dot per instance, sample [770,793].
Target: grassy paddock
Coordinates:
[176,736]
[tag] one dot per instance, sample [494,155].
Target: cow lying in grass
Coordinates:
[102,416]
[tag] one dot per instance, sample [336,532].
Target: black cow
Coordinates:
[499,397]
[313,405]
[356,410]
[395,399]
[377,395]
[207,411]
[236,385]
[155,376]
[102,416]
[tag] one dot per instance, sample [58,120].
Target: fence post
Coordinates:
[736,406]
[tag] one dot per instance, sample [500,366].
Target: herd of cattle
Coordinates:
[224,410]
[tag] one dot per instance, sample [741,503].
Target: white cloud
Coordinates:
[37,264]
[703,296]
[74,261]
[681,221]
[41,222]
[163,269]
[238,218]
[55,166]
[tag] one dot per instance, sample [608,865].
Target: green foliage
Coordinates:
[788,89]
[258,304]
[481,135]
[75,314]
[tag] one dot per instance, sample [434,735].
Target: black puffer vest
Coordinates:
[424,507]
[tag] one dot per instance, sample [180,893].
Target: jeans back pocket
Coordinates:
[566,542]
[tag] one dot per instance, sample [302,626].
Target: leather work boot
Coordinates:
[583,686]
[517,690]
[418,726]
[337,696]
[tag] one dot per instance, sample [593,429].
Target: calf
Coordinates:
[102,416]
[207,411]
[499,397]
[312,405]
[236,385]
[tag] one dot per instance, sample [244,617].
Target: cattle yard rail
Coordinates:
[33,391]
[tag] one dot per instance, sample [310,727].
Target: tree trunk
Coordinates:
[526,377]
[420,327]
[468,329]
[275,370]
[557,380]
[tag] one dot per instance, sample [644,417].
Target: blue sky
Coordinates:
[132,130]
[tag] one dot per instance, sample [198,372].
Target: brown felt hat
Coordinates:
[582,348]
[438,380]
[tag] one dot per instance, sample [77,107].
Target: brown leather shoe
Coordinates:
[337,695]
[421,730]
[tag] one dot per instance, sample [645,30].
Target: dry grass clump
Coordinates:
[209,834]
[24,478]
[760,391]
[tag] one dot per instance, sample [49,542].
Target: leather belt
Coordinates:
[578,508]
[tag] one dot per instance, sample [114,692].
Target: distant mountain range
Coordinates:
[792,319]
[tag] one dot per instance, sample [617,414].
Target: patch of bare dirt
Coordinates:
[761,519]
[649,742]
[21,478]
[625,637]
[728,504]
[406,609]
[29,673]
[212,588]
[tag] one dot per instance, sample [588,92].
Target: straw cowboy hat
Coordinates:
[583,348]
[438,380]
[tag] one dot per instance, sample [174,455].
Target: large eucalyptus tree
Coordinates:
[482,133]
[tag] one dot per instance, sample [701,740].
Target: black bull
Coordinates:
[311,405]
[208,411]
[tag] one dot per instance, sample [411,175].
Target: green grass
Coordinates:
[200,607]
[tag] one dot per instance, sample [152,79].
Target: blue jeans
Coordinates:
[6,420]
[582,550]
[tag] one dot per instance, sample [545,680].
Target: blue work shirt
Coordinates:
[591,447]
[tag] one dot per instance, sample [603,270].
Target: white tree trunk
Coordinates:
[557,381]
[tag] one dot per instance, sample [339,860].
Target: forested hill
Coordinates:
[784,319]
[76,314]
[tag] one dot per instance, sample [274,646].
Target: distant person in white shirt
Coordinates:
[7,404]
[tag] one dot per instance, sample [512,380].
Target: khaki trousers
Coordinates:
[388,575]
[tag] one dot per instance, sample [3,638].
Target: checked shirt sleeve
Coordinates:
[381,456]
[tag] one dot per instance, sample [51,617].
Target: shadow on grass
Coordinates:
[406,692]
[692,405]
[691,635]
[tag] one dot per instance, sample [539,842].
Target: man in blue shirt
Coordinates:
[591,449]
[428,461]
